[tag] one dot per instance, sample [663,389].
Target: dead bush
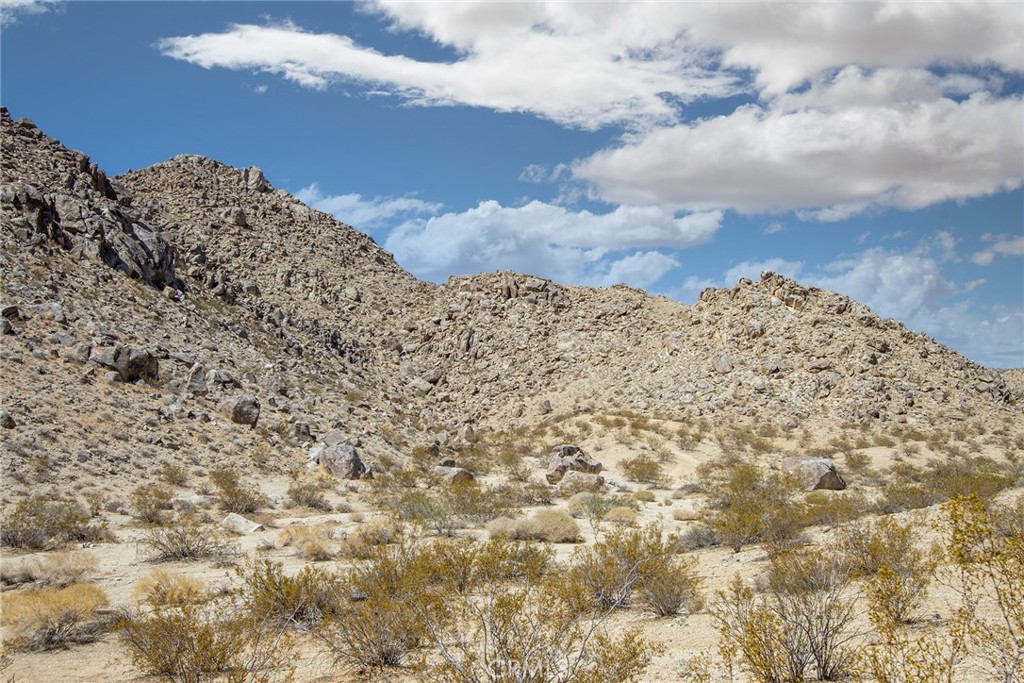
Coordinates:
[65,567]
[186,537]
[49,618]
[310,542]
[161,588]
[551,526]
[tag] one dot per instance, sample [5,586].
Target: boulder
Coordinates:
[132,364]
[566,458]
[815,473]
[452,475]
[574,481]
[340,459]
[196,382]
[238,524]
[242,410]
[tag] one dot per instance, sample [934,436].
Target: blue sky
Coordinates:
[876,149]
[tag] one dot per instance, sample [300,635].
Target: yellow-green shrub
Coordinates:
[48,618]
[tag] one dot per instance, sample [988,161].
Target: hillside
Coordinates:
[185,341]
[208,268]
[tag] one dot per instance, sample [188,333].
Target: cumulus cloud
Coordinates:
[577,64]
[577,247]
[367,214]
[829,160]
[10,10]
[786,44]
[1005,245]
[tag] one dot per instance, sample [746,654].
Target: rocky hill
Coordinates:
[192,310]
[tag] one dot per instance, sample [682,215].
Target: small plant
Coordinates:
[39,522]
[309,494]
[750,506]
[310,542]
[161,588]
[196,642]
[670,586]
[186,537]
[50,618]
[149,502]
[64,567]
[233,495]
[644,469]
[173,474]
[551,526]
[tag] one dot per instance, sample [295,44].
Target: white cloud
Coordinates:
[366,214]
[786,44]
[1006,245]
[576,247]
[828,161]
[578,64]
[10,10]
[534,173]
[773,228]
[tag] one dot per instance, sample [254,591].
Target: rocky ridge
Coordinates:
[142,312]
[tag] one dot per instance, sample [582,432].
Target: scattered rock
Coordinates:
[339,458]
[569,458]
[243,410]
[452,475]
[7,420]
[238,524]
[815,473]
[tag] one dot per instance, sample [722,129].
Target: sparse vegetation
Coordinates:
[52,617]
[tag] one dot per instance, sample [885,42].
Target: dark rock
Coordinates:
[243,410]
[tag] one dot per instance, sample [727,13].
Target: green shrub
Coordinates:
[309,494]
[644,469]
[750,506]
[197,642]
[303,599]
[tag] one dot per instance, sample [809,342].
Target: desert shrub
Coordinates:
[604,575]
[429,510]
[377,631]
[886,551]
[360,543]
[475,503]
[196,642]
[644,469]
[49,618]
[644,496]
[857,461]
[149,502]
[991,572]
[621,516]
[696,537]
[801,621]
[161,588]
[65,567]
[551,526]
[233,495]
[903,496]
[303,599]
[173,474]
[39,522]
[186,537]
[309,494]
[750,506]
[670,586]
[524,632]
[967,476]
[829,508]
[310,542]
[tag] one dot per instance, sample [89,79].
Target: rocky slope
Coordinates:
[149,317]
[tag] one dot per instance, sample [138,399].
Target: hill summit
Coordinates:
[190,305]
